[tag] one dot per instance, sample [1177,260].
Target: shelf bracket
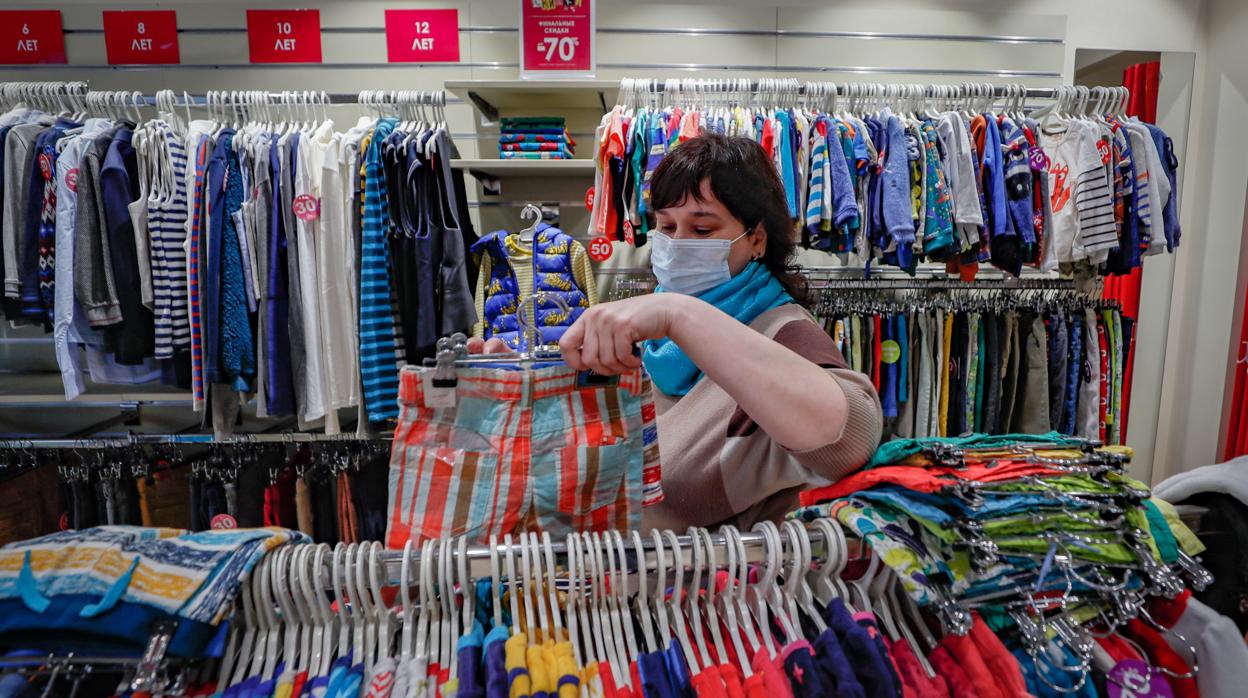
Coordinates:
[129,416]
[489,110]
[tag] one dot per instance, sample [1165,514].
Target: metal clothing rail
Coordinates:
[186,439]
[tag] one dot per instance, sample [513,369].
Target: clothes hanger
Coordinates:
[428,608]
[729,600]
[242,638]
[381,611]
[280,571]
[351,556]
[338,579]
[611,597]
[712,581]
[616,652]
[552,588]
[675,602]
[776,596]
[448,658]
[828,583]
[323,634]
[594,650]
[572,607]
[805,598]
[642,600]
[496,583]
[620,586]
[694,613]
[513,594]
[660,590]
[272,646]
[527,590]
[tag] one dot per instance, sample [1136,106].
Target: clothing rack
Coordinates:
[185,439]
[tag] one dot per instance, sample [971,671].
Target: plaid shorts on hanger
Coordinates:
[516,450]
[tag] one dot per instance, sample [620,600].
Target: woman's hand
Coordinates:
[602,339]
[493,345]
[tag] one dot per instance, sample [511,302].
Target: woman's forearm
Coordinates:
[799,404]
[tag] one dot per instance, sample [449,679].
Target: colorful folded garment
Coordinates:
[535,147]
[532,121]
[513,155]
[108,587]
[542,130]
[536,138]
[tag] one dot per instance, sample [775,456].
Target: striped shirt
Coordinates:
[378,373]
[202,148]
[166,224]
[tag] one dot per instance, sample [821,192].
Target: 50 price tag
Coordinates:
[600,249]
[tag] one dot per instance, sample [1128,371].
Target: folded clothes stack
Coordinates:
[535,138]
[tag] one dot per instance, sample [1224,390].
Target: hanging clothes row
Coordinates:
[906,173]
[959,362]
[255,253]
[328,491]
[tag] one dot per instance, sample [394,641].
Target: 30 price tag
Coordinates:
[557,37]
[422,36]
[223,522]
[284,36]
[147,37]
[31,37]
[600,249]
[306,207]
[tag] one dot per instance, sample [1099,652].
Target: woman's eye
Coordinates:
[703,231]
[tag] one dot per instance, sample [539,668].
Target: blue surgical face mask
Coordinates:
[690,266]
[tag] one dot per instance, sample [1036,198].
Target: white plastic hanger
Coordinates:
[674,603]
[551,588]
[643,594]
[446,596]
[513,593]
[728,599]
[829,583]
[758,597]
[739,569]
[774,595]
[660,590]
[611,597]
[527,590]
[620,568]
[712,580]
[698,567]
[428,607]
[534,581]
[385,617]
[285,601]
[338,578]
[805,597]
[594,649]
[407,634]
[272,646]
[572,606]
[323,633]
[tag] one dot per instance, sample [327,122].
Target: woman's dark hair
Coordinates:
[744,179]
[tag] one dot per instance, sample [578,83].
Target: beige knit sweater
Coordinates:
[720,467]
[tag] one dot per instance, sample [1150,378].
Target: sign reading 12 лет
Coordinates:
[557,38]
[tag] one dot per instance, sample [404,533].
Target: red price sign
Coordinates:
[422,36]
[223,522]
[600,249]
[306,207]
[148,37]
[557,37]
[71,179]
[589,198]
[31,36]
[284,36]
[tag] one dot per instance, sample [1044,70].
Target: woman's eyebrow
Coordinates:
[704,214]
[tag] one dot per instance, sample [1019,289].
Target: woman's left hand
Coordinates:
[602,339]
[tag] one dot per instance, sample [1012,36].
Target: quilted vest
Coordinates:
[552,249]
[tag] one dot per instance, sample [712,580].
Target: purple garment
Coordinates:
[870,666]
[655,681]
[469,669]
[866,621]
[799,665]
[496,685]
[279,386]
[834,667]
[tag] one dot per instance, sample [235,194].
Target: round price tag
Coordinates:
[1039,161]
[71,179]
[45,165]
[1102,147]
[223,522]
[630,235]
[63,522]
[890,352]
[306,207]
[600,249]
[589,199]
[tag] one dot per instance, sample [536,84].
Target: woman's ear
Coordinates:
[758,242]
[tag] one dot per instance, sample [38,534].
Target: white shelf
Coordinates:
[526,168]
[494,96]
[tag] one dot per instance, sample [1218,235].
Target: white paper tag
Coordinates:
[437,398]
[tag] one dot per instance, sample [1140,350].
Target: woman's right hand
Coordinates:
[493,345]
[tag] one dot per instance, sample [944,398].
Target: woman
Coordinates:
[754,400]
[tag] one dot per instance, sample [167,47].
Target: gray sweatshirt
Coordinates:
[19,157]
[94,286]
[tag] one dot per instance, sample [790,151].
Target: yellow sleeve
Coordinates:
[583,271]
[483,285]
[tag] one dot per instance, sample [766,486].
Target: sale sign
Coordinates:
[600,249]
[284,36]
[422,36]
[146,37]
[557,38]
[31,36]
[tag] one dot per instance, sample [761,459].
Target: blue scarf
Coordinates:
[745,296]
